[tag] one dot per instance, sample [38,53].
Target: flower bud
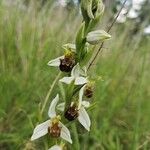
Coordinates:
[68,62]
[89,9]
[99,9]
[71,113]
[92,8]
[97,36]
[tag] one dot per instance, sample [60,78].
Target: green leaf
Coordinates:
[62,90]
[80,37]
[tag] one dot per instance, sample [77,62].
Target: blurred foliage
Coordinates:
[30,37]
[144,12]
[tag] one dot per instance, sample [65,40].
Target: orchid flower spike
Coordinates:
[53,126]
[67,61]
[77,75]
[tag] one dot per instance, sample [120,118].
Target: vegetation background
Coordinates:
[32,32]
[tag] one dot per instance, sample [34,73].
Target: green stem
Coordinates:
[49,93]
[76,138]
[45,144]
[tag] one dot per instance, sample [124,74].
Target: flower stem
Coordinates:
[45,145]
[49,93]
[76,138]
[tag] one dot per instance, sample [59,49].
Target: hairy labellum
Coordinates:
[88,92]
[54,130]
[71,113]
[67,64]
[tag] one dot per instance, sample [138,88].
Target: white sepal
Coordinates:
[78,71]
[65,133]
[81,92]
[69,46]
[61,106]
[84,118]
[40,130]
[67,80]
[55,147]
[80,80]
[83,71]
[52,110]
[75,71]
[77,74]
[55,62]
[85,104]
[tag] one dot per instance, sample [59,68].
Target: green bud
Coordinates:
[89,9]
[97,36]
[92,9]
[100,9]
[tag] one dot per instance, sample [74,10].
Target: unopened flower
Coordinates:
[65,62]
[92,8]
[97,36]
[89,9]
[99,9]
[77,75]
[53,126]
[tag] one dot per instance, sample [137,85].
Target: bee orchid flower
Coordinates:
[53,126]
[67,61]
[77,110]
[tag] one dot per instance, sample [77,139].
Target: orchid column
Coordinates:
[77,85]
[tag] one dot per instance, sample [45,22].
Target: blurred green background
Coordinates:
[32,32]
